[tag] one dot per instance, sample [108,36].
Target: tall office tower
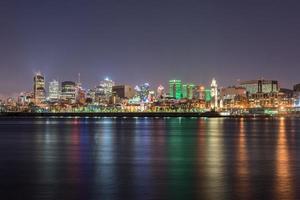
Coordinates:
[214,94]
[39,88]
[175,89]
[54,90]
[187,91]
[68,91]
[80,93]
[106,85]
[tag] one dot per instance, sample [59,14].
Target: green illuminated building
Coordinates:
[207,95]
[187,91]
[175,89]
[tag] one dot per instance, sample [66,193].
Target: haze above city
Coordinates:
[148,41]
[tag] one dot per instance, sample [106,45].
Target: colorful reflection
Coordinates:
[175,158]
[242,165]
[214,160]
[182,145]
[284,188]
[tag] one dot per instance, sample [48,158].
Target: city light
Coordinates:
[255,97]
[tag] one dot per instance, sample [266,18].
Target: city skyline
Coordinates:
[164,83]
[138,41]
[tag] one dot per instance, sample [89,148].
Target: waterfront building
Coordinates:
[233,97]
[39,88]
[123,91]
[262,93]
[68,91]
[175,89]
[260,86]
[232,92]
[214,94]
[54,92]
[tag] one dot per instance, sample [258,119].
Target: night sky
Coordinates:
[148,41]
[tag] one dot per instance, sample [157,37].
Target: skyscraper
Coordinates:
[39,88]
[187,91]
[175,89]
[214,94]
[106,86]
[54,90]
[68,91]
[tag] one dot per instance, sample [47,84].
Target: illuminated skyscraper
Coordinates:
[80,92]
[39,88]
[214,94]
[54,90]
[106,86]
[187,91]
[68,91]
[175,89]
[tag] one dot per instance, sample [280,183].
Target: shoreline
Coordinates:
[138,114]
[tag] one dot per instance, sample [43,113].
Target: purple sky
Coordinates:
[148,41]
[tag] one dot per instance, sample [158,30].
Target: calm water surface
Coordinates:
[148,158]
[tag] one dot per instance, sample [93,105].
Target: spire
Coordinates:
[78,81]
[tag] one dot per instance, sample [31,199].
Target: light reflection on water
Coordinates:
[149,158]
[284,176]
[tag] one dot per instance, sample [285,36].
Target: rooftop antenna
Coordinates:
[79,80]
[78,77]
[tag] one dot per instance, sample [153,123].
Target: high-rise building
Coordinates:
[54,90]
[175,89]
[106,86]
[123,91]
[39,88]
[214,94]
[68,91]
[80,94]
[188,91]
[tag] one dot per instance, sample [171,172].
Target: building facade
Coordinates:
[54,92]
[175,89]
[39,92]
[68,91]
[123,91]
